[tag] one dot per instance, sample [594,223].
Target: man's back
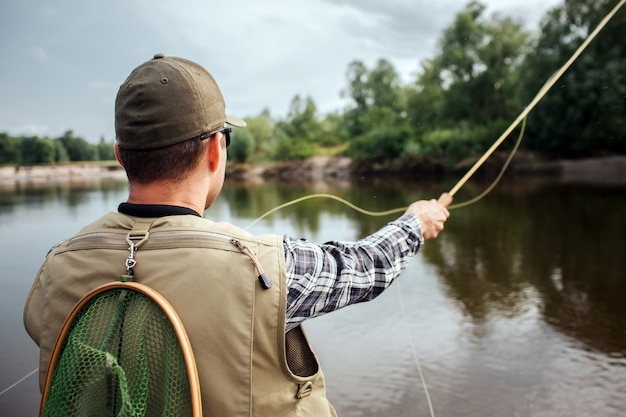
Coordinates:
[235,325]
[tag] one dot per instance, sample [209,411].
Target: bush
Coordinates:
[9,149]
[241,146]
[36,150]
[387,142]
[455,144]
[294,148]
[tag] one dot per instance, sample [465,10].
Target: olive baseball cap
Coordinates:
[168,100]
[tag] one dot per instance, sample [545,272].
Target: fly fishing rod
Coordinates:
[542,92]
[446,198]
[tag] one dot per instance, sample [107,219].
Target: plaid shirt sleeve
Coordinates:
[324,278]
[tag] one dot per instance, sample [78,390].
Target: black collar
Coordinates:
[154,210]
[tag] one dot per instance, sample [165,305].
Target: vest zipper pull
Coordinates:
[264,279]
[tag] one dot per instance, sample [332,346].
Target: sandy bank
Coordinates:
[59,172]
[602,170]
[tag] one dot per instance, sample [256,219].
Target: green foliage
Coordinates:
[454,144]
[299,133]
[104,151]
[28,150]
[386,142]
[9,149]
[333,131]
[426,99]
[241,146]
[35,150]
[485,68]
[78,148]
[264,141]
[302,120]
[586,111]
[377,97]
[476,66]
[295,148]
[60,153]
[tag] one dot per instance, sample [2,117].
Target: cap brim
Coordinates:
[235,121]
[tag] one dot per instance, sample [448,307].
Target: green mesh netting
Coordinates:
[121,358]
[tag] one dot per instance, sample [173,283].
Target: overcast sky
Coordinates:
[63,60]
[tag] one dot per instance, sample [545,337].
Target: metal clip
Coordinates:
[131,261]
[135,238]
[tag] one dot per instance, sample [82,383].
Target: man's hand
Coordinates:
[432,214]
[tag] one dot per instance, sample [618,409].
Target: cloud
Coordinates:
[31,129]
[38,53]
[63,61]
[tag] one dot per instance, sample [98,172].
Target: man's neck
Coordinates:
[168,193]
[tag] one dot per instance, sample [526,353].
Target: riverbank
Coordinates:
[607,170]
[56,172]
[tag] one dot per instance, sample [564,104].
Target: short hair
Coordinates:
[173,162]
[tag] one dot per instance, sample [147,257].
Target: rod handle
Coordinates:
[445,199]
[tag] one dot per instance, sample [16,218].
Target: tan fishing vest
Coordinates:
[209,273]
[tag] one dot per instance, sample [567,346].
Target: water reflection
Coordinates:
[560,248]
[247,201]
[73,193]
[521,296]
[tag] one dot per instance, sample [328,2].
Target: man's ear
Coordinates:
[214,149]
[116,149]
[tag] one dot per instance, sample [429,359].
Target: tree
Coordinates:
[77,148]
[104,150]
[586,111]
[378,97]
[302,119]
[426,99]
[242,145]
[36,150]
[385,142]
[357,90]
[477,66]
[60,153]
[334,130]
[261,128]
[299,133]
[9,149]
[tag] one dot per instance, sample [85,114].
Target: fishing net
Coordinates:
[120,357]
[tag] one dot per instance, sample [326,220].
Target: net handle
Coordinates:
[174,319]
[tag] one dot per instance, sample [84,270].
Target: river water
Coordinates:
[517,309]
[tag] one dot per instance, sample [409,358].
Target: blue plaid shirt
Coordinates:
[327,277]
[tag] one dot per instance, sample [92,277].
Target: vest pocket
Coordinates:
[300,358]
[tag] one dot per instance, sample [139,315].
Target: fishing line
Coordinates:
[330,196]
[500,175]
[399,209]
[19,381]
[522,117]
[542,92]
[414,351]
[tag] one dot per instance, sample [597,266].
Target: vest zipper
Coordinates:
[108,240]
[265,280]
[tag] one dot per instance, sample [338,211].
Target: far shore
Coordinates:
[601,170]
[64,171]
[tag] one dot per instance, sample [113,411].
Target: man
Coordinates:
[252,355]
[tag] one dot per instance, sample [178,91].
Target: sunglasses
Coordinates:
[224,131]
